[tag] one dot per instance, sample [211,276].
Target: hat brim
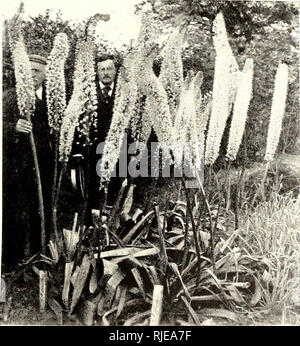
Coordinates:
[38,59]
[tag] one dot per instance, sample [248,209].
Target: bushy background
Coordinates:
[264,31]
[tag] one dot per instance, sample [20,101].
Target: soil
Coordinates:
[22,307]
[23,310]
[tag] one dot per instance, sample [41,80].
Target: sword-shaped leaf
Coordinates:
[80,281]
[112,285]
[191,311]
[132,232]
[257,293]
[122,301]
[94,279]
[57,309]
[144,253]
[177,273]
[119,252]
[221,313]
[67,281]
[157,302]
[136,318]
[128,201]
[137,276]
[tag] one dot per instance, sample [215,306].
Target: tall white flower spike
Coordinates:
[240,110]
[24,82]
[277,110]
[221,91]
[55,80]
[73,110]
[125,101]
[171,72]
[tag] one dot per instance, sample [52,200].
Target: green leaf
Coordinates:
[139,281]
[121,301]
[136,318]
[129,261]
[104,318]
[175,239]
[54,251]
[67,280]
[112,285]
[157,303]
[71,239]
[235,294]
[143,253]
[74,276]
[228,243]
[80,281]
[132,232]
[221,313]
[151,270]
[93,281]
[128,201]
[191,311]
[132,302]
[258,293]
[57,309]
[177,273]
[119,252]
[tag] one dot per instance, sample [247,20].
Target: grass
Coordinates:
[272,231]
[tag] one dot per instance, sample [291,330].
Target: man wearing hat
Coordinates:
[21,221]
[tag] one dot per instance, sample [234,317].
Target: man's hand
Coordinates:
[24,126]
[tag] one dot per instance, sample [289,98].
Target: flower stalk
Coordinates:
[277,110]
[56,104]
[240,110]
[275,125]
[26,105]
[221,91]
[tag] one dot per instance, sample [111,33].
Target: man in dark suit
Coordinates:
[106,84]
[21,221]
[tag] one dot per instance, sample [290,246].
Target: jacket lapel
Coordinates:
[101,97]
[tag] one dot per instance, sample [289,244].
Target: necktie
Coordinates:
[38,94]
[105,91]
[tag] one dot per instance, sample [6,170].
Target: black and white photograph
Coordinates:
[150,166]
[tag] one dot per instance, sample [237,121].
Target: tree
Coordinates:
[263,30]
[243,18]
[39,33]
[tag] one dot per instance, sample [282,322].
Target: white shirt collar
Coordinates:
[111,87]
[39,92]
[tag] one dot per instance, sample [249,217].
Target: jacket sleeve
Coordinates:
[10,117]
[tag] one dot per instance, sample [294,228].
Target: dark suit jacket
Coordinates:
[20,199]
[17,152]
[97,135]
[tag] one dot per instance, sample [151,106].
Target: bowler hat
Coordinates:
[38,58]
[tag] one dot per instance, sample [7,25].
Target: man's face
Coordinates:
[38,73]
[106,71]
